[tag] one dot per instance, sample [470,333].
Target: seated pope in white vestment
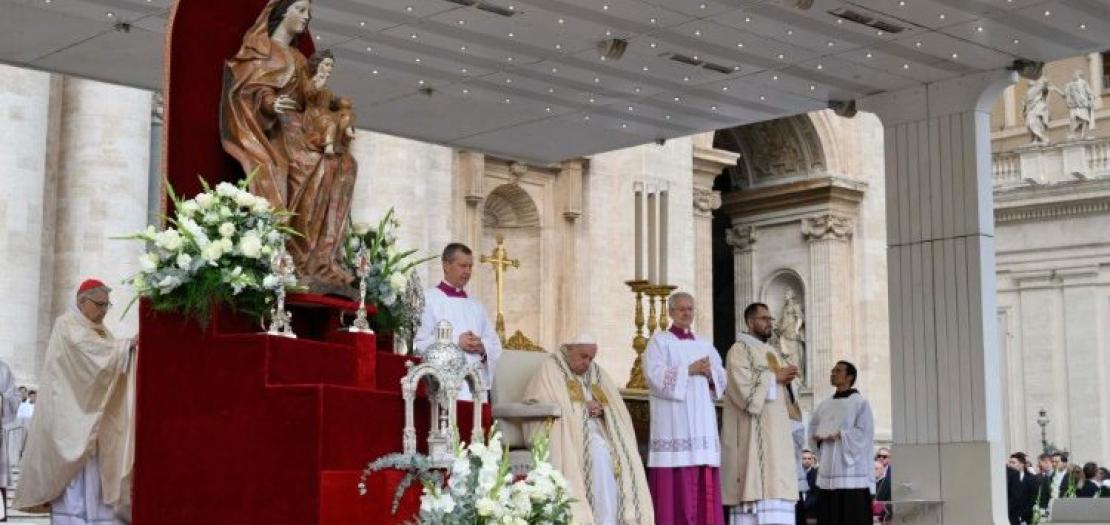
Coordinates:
[470,324]
[80,449]
[593,444]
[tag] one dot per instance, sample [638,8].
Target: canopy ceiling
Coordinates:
[524,79]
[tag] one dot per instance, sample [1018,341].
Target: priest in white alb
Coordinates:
[593,444]
[470,324]
[685,377]
[758,461]
[842,431]
[80,448]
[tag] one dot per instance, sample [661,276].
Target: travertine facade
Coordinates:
[1052,211]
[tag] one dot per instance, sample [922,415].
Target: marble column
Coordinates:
[102,192]
[470,170]
[24,117]
[947,399]
[570,199]
[829,297]
[742,240]
[707,166]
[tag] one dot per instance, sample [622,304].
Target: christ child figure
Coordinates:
[329,119]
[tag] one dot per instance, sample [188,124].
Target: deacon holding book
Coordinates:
[842,431]
[758,461]
[470,325]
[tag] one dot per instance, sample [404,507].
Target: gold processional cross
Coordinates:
[501,263]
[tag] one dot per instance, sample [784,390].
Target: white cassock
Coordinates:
[465,315]
[846,461]
[683,418]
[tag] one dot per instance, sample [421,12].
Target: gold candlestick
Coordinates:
[639,342]
[663,292]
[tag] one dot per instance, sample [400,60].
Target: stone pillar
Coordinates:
[102,192]
[944,349]
[471,170]
[708,164]
[742,239]
[24,117]
[829,298]
[570,196]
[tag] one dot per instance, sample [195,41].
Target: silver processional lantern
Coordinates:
[444,370]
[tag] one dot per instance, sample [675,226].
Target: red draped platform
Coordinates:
[236,427]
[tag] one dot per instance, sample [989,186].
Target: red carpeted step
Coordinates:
[349,362]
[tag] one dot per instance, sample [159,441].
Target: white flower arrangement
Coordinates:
[480,490]
[391,274]
[217,246]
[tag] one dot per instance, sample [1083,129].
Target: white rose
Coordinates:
[250,245]
[169,240]
[210,218]
[183,261]
[485,506]
[148,262]
[227,229]
[260,205]
[226,189]
[212,252]
[398,281]
[244,199]
[205,200]
[189,207]
[270,281]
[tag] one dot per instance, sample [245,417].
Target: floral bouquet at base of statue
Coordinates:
[480,489]
[390,274]
[218,246]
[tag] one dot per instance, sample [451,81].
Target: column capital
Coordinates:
[827,227]
[741,238]
[705,201]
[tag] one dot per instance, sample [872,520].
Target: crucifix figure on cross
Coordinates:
[501,263]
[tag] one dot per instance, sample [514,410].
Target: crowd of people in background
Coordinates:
[1031,488]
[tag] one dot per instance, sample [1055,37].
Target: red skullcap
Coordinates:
[89,284]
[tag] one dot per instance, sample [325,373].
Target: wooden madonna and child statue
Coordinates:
[279,120]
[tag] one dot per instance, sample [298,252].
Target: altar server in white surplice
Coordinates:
[843,428]
[685,377]
[470,324]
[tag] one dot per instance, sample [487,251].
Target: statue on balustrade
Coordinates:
[279,120]
[1081,106]
[1036,109]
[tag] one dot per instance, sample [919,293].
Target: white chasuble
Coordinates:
[85,408]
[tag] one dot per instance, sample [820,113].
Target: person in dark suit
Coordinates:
[1021,489]
[1044,482]
[806,510]
[1085,486]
